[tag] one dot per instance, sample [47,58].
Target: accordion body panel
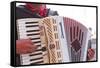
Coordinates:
[77,38]
[59,39]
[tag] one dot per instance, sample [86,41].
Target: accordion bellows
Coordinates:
[59,40]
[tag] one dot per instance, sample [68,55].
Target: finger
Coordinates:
[23,52]
[92,50]
[89,57]
[29,50]
[25,41]
[31,47]
[90,53]
[32,50]
[28,41]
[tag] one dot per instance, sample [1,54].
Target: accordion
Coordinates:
[59,40]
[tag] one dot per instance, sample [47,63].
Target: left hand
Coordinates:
[91,53]
[24,46]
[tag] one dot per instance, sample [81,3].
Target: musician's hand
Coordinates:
[24,46]
[90,54]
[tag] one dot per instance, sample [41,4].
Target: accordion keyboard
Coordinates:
[29,29]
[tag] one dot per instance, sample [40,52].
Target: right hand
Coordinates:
[25,46]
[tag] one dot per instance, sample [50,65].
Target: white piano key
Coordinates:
[24,37]
[29,62]
[31,57]
[36,52]
[22,31]
[21,24]
[25,61]
[33,32]
[28,55]
[32,28]
[36,61]
[22,28]
[36,40]
[36,36]
[22,34]
[37,43]
[39,47]
[32,24]
[25,55]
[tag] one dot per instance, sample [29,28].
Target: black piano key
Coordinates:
[32,30]
[36,59]
[37,62]
[34,38]
[35,54]
[31,26]
[30,22]
[38,45]
[33,34]
[42,49]
[36,41]
[39,50]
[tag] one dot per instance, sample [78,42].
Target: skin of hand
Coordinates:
[25,46]
[91,53]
